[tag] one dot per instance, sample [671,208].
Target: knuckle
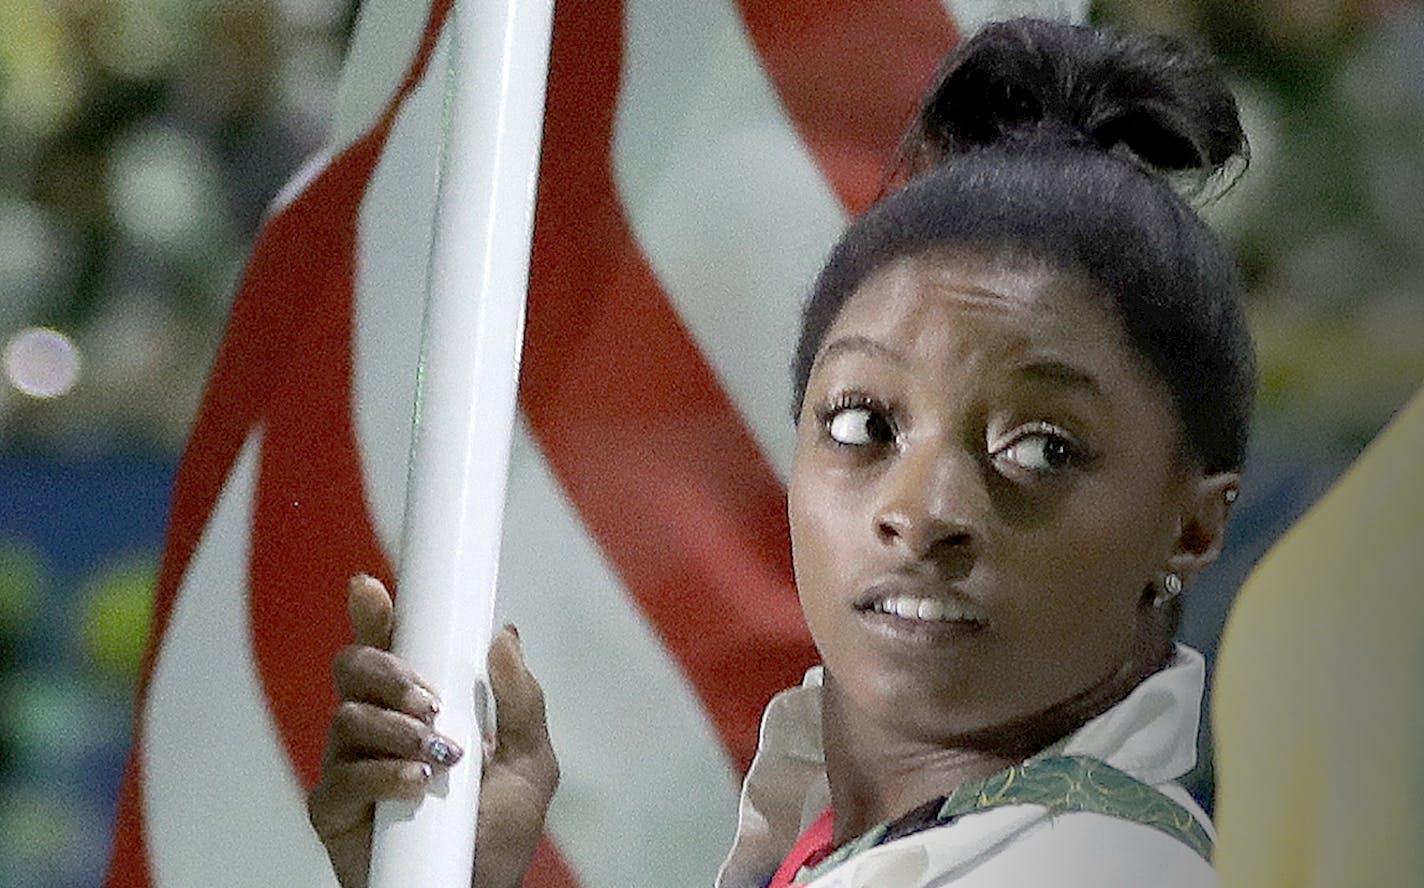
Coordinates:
[402,780]
[412,740]
[415,780]
[368,659]
[338,666]
[548,765]
[347,721]
[345,666]
[318,810]
[345,657]
[537,700]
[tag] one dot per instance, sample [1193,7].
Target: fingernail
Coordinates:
[513,630]
[425,772]
[441,751]
[428,702]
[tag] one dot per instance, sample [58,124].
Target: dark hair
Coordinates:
[1053,142]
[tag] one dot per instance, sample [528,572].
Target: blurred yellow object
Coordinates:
[117,611]
[22,578]
[39,84]
[1319,698]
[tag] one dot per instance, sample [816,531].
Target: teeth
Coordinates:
[928,609]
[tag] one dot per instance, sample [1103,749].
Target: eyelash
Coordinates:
[1077,456]
[846,401]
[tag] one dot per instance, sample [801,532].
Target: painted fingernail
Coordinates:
[425,773]
[513,629]
[441,751]
[428,703]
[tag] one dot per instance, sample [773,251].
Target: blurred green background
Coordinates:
[140,141]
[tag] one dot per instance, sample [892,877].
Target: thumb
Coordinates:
[520,725]
[371,611]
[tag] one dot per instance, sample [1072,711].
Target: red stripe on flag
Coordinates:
[299,273]
[850,74]
[290,319]
[291,299]
[634,422]
[548,869]
[285,363]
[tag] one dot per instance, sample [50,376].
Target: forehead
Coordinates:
[997,308]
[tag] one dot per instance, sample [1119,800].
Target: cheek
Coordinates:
[809,548]
[1092,565]
[821,550]
[1110,554]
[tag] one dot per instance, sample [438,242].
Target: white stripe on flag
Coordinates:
[971,15]
[222,806]
[383,43]
[732,212]
[393,239]
[648,796]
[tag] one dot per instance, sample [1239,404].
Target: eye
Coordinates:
[1042,449]
[858,424]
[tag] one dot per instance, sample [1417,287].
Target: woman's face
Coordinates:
[986,480]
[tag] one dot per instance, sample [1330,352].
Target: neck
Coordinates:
[877,773]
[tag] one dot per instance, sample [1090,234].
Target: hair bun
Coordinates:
[1030,81]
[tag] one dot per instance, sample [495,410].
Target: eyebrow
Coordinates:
[862,345]
[1059,374]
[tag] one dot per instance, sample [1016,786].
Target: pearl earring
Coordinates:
[1171,588]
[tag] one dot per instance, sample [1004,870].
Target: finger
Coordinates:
[361,730]
[348,790]
[368,675]
[372,614]
[520,726]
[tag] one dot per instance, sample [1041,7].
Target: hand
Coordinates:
[382,745]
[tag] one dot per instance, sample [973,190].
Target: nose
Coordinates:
[928,500]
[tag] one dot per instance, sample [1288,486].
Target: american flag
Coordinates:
[700,158]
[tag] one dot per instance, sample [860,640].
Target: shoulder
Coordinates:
[1087,849]
[1023,845]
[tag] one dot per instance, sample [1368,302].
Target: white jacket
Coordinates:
[1150,735]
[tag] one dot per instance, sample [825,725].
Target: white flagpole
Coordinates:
[469,370]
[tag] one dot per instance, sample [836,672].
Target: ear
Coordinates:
[1201,526]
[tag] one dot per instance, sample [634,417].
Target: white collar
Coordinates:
[1151,734]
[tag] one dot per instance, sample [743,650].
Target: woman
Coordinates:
[1023,386]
